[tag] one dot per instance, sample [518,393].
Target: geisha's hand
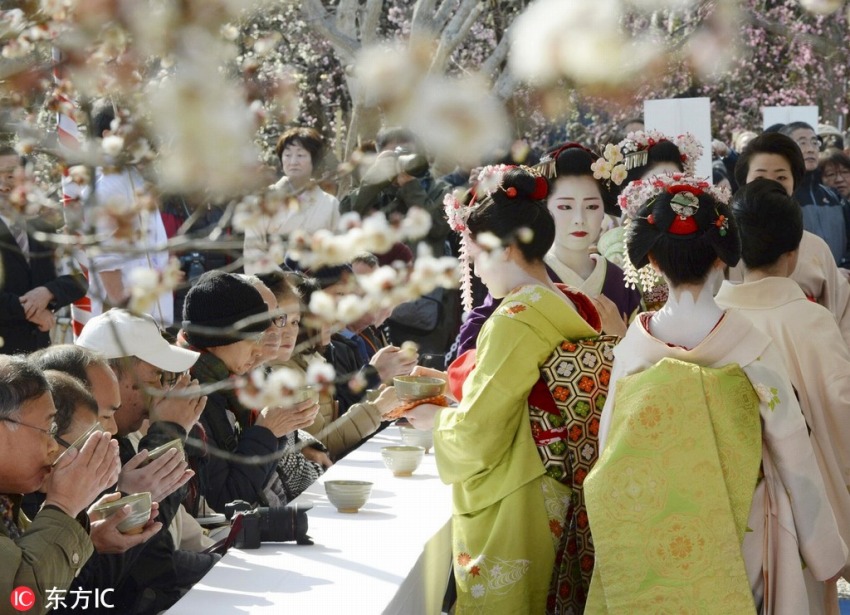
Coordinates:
[430,372]
[423,416]
[613,323]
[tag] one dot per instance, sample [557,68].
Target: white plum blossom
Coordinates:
[112,145]
[350,308]
[274,389]
[323,305]
[822,7]
[320,373]
[384,74]
[488,241]
[458,119]
[416,223]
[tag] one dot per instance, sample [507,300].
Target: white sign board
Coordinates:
[786,115]
[675,116]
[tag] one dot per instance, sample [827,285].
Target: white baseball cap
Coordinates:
[118,333]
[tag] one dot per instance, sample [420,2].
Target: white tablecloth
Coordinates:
[391,557]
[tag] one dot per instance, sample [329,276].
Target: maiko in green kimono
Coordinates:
[508,513]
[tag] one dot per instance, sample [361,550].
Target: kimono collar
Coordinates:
[734,340]
[551,308]
[761,294]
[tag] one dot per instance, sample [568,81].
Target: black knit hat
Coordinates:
[221,309]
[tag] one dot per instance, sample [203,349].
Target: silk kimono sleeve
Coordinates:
[789,451]
[484,446]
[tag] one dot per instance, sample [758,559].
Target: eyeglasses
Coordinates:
[50,431]
[829,175]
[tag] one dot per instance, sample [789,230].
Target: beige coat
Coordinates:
[318,210]
[339,434]
[818,364]
[818,276]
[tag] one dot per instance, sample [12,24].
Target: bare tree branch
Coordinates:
[371,19]
[505,85]
[318,18]
[456,31]
[346,17]
[443,13]
[422,24]
[498,55]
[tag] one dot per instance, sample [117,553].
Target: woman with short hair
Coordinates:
[304,205]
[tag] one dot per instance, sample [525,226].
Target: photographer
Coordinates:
[399,179]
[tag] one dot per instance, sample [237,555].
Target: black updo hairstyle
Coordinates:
[684,259]
[575,162]
[770,222]
[663,151]
[772,143]
[505,216]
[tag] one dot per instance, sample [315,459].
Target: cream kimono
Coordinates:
[820,280]
[818,364]
[507,512]
[792,541]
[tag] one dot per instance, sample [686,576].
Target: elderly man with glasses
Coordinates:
[49,551]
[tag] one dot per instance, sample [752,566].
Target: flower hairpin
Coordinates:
[490,179]
[633,152]
[641,191]
[640,195]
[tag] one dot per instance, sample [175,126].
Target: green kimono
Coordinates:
[508,515]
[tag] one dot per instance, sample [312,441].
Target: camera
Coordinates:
[194,264]
[268,524]
[415,165]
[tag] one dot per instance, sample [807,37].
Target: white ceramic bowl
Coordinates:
[402,460]
[348,496]
[417,437]
[140,511]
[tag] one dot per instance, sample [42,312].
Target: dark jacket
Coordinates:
[823,214]
[390,198]
[342,353]
[19,277]
[223,480]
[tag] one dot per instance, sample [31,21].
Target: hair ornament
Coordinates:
[541,189]
[548,165]
[633,152]
[640,195]
[511,192]
[639,192]
[722,224]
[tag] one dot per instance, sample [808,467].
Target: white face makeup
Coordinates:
[576,205]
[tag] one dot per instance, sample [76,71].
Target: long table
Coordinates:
[391,557]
